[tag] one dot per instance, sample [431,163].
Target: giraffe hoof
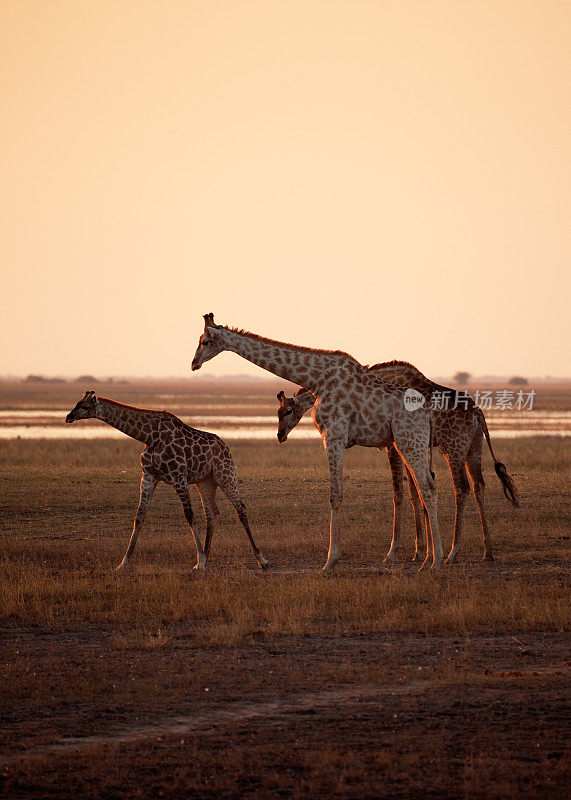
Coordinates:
[121,566]
[264,564]
[488,557]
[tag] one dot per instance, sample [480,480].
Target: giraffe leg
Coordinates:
[397,467]
[416,460]
[181,488]
[148,485]
[229,485]
[429,539]
[207,491]
[421,524]
[474,464]
[461,491]
[335,455]
[427,489]
[427,534]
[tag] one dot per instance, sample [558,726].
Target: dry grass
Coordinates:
[64,534]
[226,609]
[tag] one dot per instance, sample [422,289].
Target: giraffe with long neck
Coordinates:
[458,430]
[354,406]
[178,455]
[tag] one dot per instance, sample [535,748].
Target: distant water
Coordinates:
[50,424]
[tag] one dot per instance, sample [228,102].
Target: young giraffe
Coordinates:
[178,455]
[354,406]
[458,431]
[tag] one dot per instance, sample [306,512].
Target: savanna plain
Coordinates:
[159,681]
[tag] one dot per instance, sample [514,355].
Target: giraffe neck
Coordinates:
[313,369]
[128,420]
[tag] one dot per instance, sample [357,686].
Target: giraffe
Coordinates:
[354,406]
[178,455]
[290,412]
[458,431]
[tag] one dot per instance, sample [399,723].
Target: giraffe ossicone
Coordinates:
[178,455]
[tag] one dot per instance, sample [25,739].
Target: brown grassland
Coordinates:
[233,683]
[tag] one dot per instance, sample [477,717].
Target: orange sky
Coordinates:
[387,178]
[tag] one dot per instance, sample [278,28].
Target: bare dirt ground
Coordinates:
[241,684]
[374,716]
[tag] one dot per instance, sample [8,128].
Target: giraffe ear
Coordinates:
[210,334]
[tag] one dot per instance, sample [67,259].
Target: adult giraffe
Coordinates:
[458,431]
[354,406]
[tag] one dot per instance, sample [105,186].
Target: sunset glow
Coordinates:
[390,179]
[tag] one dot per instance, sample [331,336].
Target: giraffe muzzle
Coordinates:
[70,418]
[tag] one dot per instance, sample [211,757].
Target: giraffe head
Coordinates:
[85,409]
[209,344]
[291,410]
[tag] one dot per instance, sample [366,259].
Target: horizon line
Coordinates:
[40,377]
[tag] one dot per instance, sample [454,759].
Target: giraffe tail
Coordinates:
[501,471]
